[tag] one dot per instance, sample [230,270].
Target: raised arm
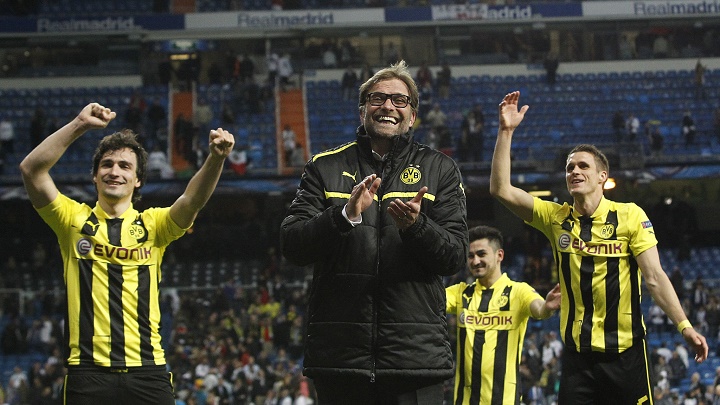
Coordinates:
[35,168]
[664,295]
[543,309]
[515,199]
[202,184]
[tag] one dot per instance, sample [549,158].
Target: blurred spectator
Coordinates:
[662,376]
[696,391]
[7,139]
[436,118]
[716,122]
[156,119]
[618,125]
[632,126]
[183,138]
[688,128]
[17,386]
[246,69]
[716,395]
[289,142]
[424,75]
[678,282]
[158,165]
[425,95]
[347,53]
[202,116]
[165,71]
[661,47]
[298,156]
[472,136]
[552,347]
[7,135]
[271,63]
[626,48]
[699,294]
[678,369]
[134,113]
[444,80]
[329,57]
[391,53]
[12,340]
[700,93]
[365,73]
[712,315]
[285,70]
[551,65]
[38,124]
[349,83]
[214,73]
[657,319]
[656,142]
[253,96]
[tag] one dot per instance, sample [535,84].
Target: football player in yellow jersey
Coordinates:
[492,317]
[603,249]
[112,255]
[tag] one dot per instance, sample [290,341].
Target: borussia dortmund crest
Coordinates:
[137,231]
[410,175]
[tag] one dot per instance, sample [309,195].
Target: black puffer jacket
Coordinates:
[377,302]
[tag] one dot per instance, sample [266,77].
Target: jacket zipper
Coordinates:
[380,217]
[377,265]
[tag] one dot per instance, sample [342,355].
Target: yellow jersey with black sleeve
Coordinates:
[491,325]
[112,276]
[599,277]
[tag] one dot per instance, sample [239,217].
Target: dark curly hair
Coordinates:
[121,140]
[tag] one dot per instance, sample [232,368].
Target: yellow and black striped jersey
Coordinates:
[600,280]
[112,275]
[491,324]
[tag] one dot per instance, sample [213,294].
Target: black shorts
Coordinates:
[358,390]
[107,386]
[603,378]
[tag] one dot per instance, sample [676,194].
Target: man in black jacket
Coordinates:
[382,219]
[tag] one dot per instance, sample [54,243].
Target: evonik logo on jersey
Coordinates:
[84,246]
[484,321]
[597,248]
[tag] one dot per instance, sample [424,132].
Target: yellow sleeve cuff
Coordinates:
[682,325]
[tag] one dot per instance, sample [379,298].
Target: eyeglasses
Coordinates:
[398,100]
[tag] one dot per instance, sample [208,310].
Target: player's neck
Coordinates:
[114,209]
[587,204]
[488,281]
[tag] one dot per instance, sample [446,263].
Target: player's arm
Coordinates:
[203,183]
[515,199]
[543,309]
[35,168]
[664,295]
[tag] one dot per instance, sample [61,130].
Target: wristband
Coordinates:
[682,325]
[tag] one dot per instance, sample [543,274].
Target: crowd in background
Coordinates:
[240,344]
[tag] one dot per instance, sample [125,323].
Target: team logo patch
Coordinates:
[137,231]
[564,240]
[607,231]
[83,246]
[411,175]
[502,300]
[462,318]
[646,224]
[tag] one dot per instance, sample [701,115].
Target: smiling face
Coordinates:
[116,177]
[386,121]
[582,174]
[484,261]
